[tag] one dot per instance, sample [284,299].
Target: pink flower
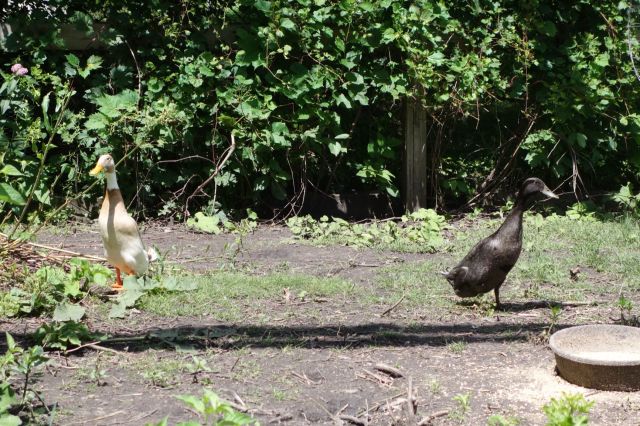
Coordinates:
[18,69]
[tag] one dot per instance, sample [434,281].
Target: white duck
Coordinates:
[122,243]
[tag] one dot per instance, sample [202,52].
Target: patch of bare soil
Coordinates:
[323,362]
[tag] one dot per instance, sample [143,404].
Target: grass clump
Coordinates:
[224,294]
[420,232]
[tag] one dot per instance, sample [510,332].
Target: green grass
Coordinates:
[607,253]
[226,295]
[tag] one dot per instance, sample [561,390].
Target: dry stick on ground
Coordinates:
[378,404]
[412,404]
[392,371]
[72,253]
[225,158]
[352,419]
[393,307]
[92,421]
[376,378]
[95,347]
[432,417]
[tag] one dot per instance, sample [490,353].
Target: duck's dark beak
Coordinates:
[549,193]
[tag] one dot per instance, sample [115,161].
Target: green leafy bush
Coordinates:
[569,410]
[51,290]
[418,231]
[313,91]
[212,411]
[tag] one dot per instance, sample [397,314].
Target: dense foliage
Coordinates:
[313,92]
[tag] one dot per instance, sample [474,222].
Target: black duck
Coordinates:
[486,266]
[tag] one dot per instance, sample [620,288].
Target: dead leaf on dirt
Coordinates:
[287,295]
[574,272]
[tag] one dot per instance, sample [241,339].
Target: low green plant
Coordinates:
[582,210]
[198,366]
[136,287]
[18,367]
[457,347]
[212,411]
[52,290]
[626,306]
[568,410]
[64,335]
[419,231]
[217,222]
[627,200]
[463,406]
[500,420]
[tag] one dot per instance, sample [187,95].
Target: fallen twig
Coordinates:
[432,417]
[72,253]
[392,371]
[306,379]
[136,419]
[412,404]
[352,419]
[376,378]
[393,307]
[93,421]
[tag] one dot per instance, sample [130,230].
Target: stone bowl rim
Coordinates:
[559,351]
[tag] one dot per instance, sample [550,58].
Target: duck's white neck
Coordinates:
[112,182]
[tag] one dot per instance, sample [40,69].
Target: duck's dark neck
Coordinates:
[513,222]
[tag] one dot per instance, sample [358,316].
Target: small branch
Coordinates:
[95,347]
[135,61]
[395,305]
[72,253]
[392,371]
[352,419]
[93,421]
[225,158]
[36,181]
[432,417]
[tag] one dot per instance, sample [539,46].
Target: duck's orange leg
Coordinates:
[118,284]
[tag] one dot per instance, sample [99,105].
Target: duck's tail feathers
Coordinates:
[152,254]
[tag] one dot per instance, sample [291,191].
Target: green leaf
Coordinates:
[68,312]
[287,24]
[10,195]
[97,121]
[580,139]
[335,148]
[94,62]
[342,136]
[263,5]
[202,222]
[10,170]
[342,99]
[9,420]
[73,60]
[602,59]
[196,403]
[173,283]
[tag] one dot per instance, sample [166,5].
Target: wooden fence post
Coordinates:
[415,156]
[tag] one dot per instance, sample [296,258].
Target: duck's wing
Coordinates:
[132,248]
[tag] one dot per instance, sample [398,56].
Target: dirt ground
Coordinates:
[316,362]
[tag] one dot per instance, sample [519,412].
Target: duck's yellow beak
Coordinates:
[97,169]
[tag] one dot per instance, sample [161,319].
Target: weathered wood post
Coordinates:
[415,156]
